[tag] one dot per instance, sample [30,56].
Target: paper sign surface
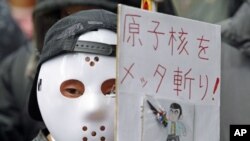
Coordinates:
[173,60]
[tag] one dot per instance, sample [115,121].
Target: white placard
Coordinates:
[172,59]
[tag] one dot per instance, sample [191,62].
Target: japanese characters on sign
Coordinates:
[180,57]
[169,57]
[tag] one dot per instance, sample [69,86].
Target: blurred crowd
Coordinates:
[23,25]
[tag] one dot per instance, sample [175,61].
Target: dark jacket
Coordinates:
[15,84]
[235,73]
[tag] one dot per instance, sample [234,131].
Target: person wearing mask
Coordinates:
[19,69]
[74,87]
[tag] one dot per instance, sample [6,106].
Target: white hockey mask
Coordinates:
[76,93]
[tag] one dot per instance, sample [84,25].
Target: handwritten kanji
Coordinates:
[156,33]
[133,29]
[182,39]
[179,81]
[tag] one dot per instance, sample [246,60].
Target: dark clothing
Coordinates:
[235,90]
[40,137]
[15,123]
[11,36]
[15,84]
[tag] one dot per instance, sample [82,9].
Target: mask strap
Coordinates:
[95,48]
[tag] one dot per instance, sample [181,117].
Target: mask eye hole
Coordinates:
[108,87]
[72,88]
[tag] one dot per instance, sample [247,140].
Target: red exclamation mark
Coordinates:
[216,86]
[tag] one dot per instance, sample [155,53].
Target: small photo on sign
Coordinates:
[167,120]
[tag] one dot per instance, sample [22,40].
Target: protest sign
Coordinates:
[168,77]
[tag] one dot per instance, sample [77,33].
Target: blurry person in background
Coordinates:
[233,16]
[235,90]
[21,11]
[211,11]
[236,29]
[233,6]
[11,37]
[18,70]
